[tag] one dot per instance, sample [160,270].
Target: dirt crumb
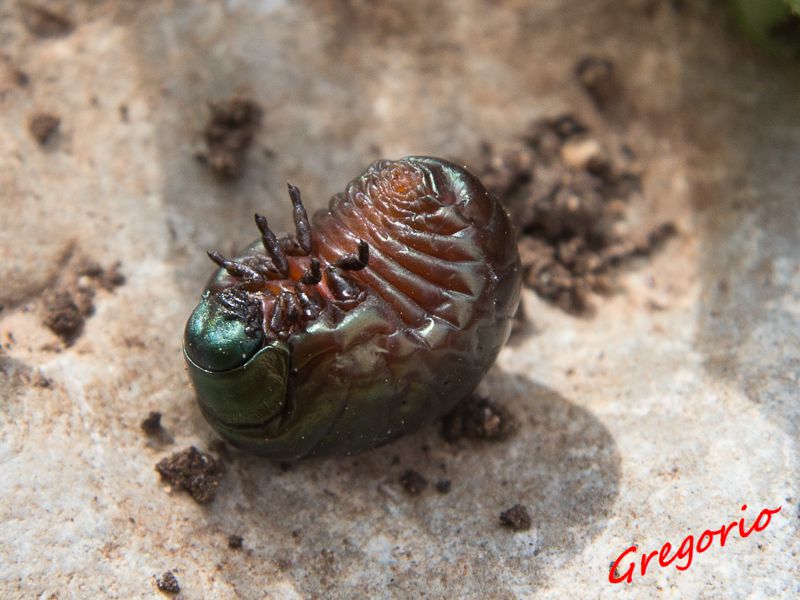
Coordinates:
[228,136]
[194,471]
[21,78]
[235,542]
[66,311]
[569,197]
[43,127]
[443,486]
[598,77]
[152,424]
[108,278]
[40,380]
[516,518]
[168,583]
[413,482]
[44,22]
[477,417]
[70,301]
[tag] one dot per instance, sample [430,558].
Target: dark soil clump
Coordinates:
[228,136]
[516,518]
[108,278]
[152,424]
[70,301]
[478,418]
[413,482]
[40,380]
[44,22]
[443,486]
[598,77]
[43,127]
[21,78]
[168,583]
[194,471]
[235,542]
[568,198]
[66,311]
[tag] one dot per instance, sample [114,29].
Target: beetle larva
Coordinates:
[378,318]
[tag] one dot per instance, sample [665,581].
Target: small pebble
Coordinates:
[412,482]
[516,518]
[152,424]
[235,541]
[168,583]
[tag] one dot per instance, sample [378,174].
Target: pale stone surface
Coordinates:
[658,417]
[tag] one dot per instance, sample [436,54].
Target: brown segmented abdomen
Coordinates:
[427,258]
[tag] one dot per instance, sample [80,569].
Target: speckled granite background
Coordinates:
[657,417]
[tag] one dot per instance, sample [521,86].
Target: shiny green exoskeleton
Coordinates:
[374,321]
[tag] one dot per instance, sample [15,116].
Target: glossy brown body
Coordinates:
[429,313]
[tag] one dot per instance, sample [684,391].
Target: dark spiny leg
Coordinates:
[313,275]
[237,304]
[278,314]
[272,246]
[286,313]
[234,268]
[233,303]
[353,262]
[309,301]
[341,288]
[254,320]
[293,308]
[301,224]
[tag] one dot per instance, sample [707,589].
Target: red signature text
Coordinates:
[685,552]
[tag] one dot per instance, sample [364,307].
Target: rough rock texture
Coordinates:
[659,416]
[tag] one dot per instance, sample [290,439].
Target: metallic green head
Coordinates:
[240,381]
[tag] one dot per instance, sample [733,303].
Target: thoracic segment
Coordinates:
[281,290]
[424,257]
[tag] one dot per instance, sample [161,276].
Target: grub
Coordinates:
[228,135]
[516,518]
[43,127]
[194,471]
[477,417]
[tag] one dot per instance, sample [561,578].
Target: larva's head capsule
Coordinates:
[216,342]
[240,385]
